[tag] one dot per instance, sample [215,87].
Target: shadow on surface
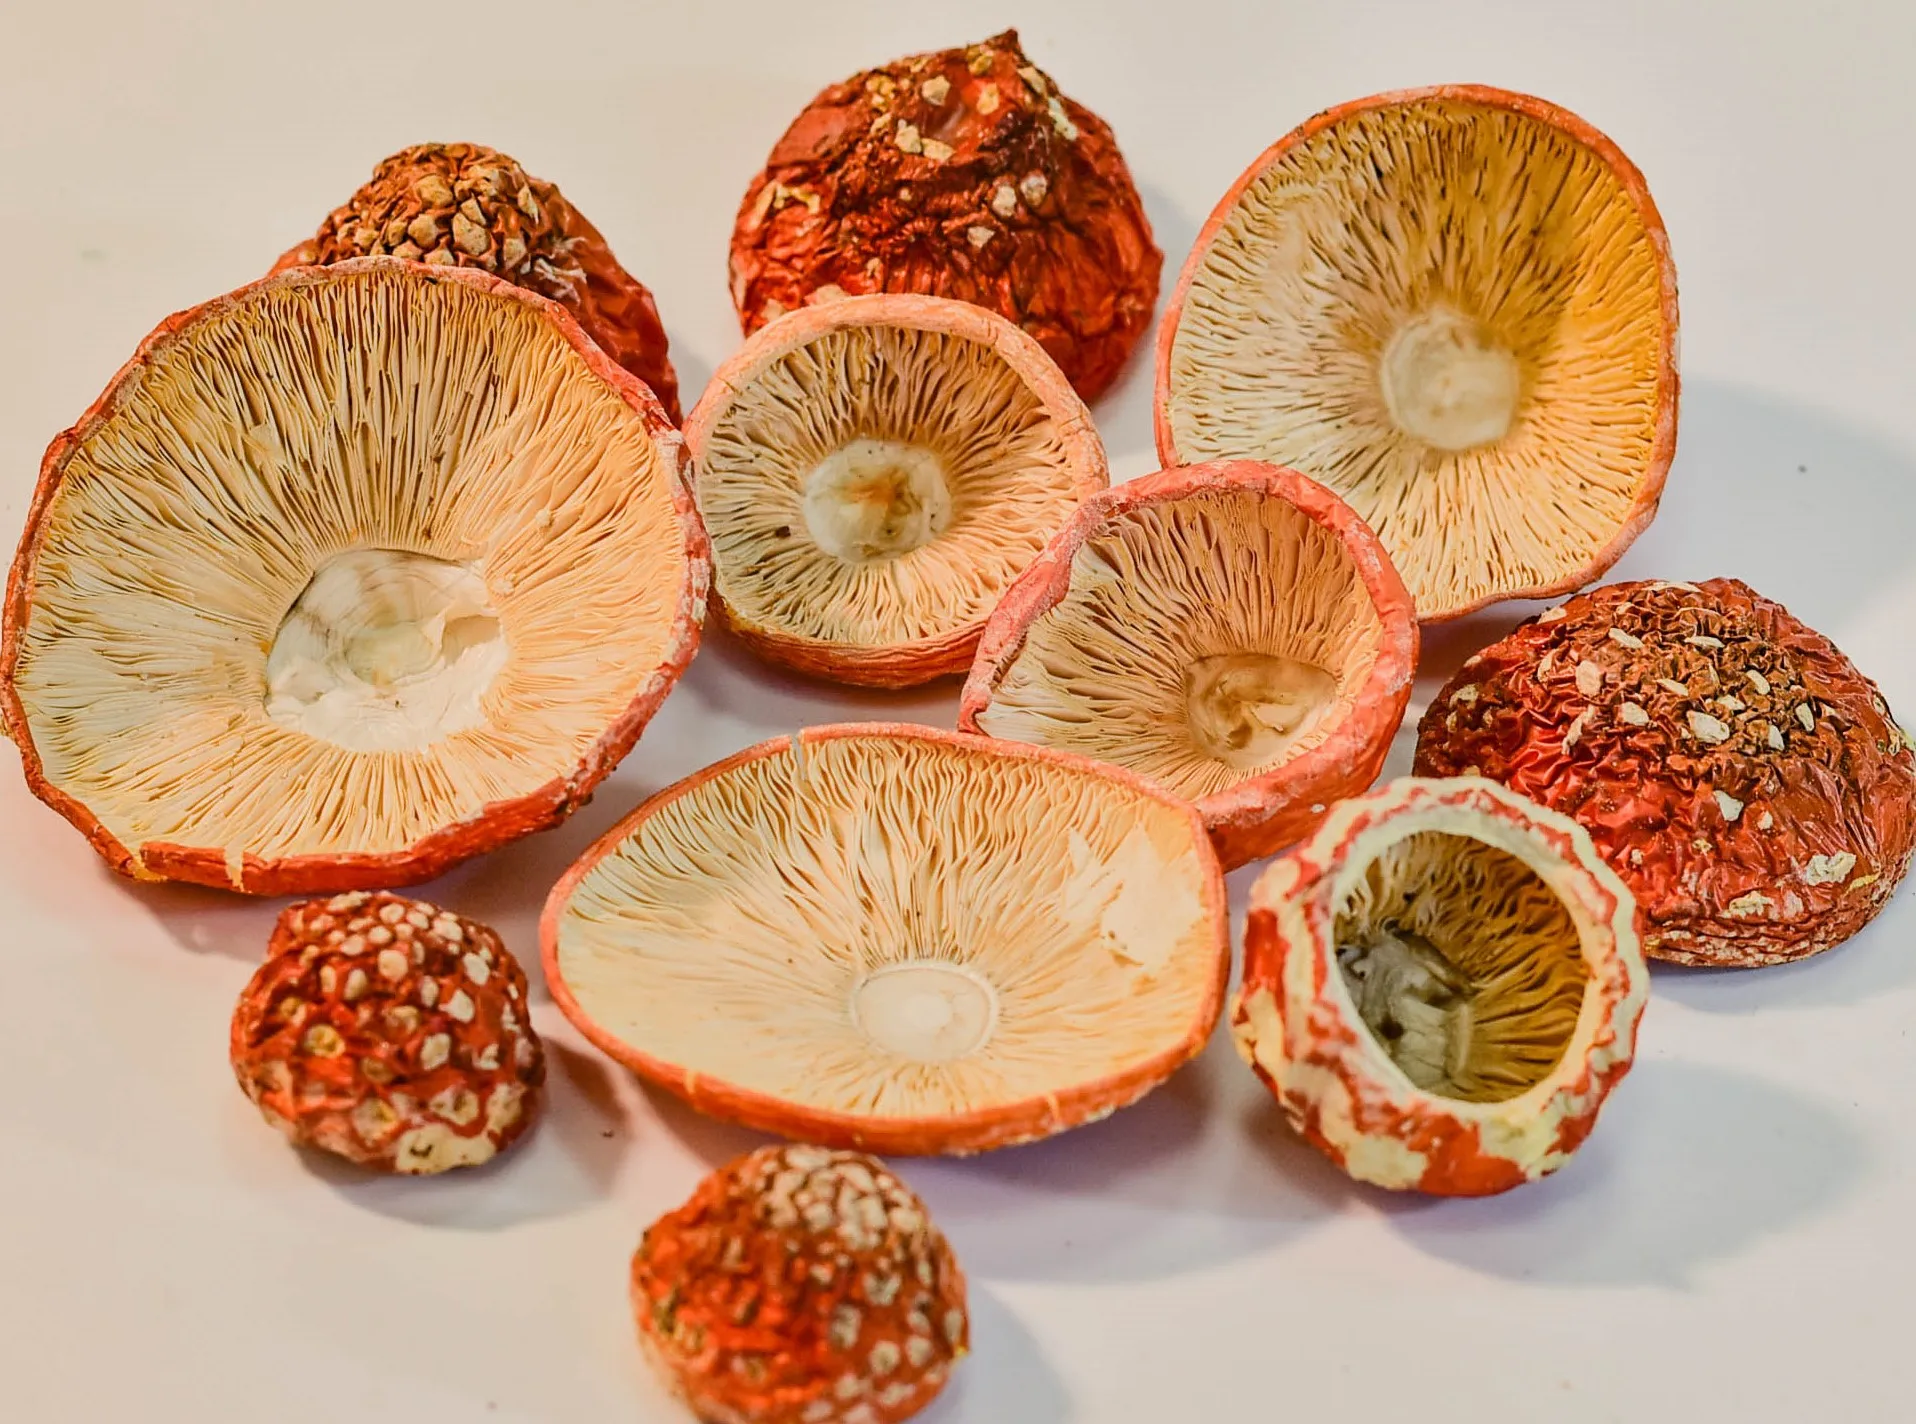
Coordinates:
[1006,1380]
[569,1160]
[1689,1166]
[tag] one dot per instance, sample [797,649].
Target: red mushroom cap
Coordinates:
[801,1286]
[391,1033]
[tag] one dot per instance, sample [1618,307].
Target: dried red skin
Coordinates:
[841,208]
[433,1068]
[801,1285]
[540,242]
[1712,888]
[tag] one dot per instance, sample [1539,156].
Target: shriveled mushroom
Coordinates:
[874,474]
[1232,631]
[349,575]
[1456,307]
[1442,986]
[897,939]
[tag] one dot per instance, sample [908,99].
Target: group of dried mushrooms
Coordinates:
[386,560]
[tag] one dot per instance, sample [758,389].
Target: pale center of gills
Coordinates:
[1447,383]
[1416,1002]
[385,651]
[1247,709]
[871,500]
[926,1010]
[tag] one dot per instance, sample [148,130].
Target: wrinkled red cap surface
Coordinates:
[1736,770]
[801,1286]
[390,1032]
[962,174]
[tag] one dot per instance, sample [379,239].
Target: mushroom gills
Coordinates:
[1463,964]
[385,651]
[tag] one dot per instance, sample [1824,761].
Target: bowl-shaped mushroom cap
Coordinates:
[1454,306]
[1442,986]
[897,939]
[1232,631]
[350,575]
[874,473]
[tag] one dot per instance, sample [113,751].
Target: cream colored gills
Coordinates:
[1464,965]
[1452,315]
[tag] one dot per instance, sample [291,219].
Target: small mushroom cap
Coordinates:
[1441,986]
[466,205]
[897,939]
[875,473]
[801,1286]
[341,491]
[389,1032]
[1739,773]
[1454,306]
[1233,631]
[962,174]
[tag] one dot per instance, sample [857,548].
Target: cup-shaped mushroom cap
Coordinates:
[1231,631]
[897,939]
[875,473]
[1442,986]
[1456,307]
[350,575]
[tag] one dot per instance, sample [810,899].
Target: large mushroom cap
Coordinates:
[875,473]
[1442,986]
[1232,631]
[966,174]
[1455,307]
[348,576]
[1740,773]
[897,939]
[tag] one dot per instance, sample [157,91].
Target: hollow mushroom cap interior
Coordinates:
[1201,641]
[1460,316]
[881,484]
[355,555]
[901,928]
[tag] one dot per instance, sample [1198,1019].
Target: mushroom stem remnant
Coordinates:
[1414,1000]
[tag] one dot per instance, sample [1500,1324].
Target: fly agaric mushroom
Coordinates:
[875,473]
[1232,631]
[391,1033]
[801,1286]
[1441,987]
[1455,307]
[897,939]
[963,174]
[350,575]
[465,205]
[1739,773]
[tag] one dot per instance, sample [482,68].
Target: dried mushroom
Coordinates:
[1441,987]
[1231,631]
[875,473]
[962,174]
[1737,771]
[350,575]
[801,1286]
[1456,307]
[389,1032]
[897,939]
[465,205]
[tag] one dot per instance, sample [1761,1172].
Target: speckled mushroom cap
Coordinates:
[897,939]
[466,205]
[1232,631]
[1441,986]
[1741,775]
[801,1286]
[350,575]
[1454,306]
[389,1032]
[964,174]
[875,473]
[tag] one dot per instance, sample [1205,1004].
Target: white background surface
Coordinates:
[1737,1240]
